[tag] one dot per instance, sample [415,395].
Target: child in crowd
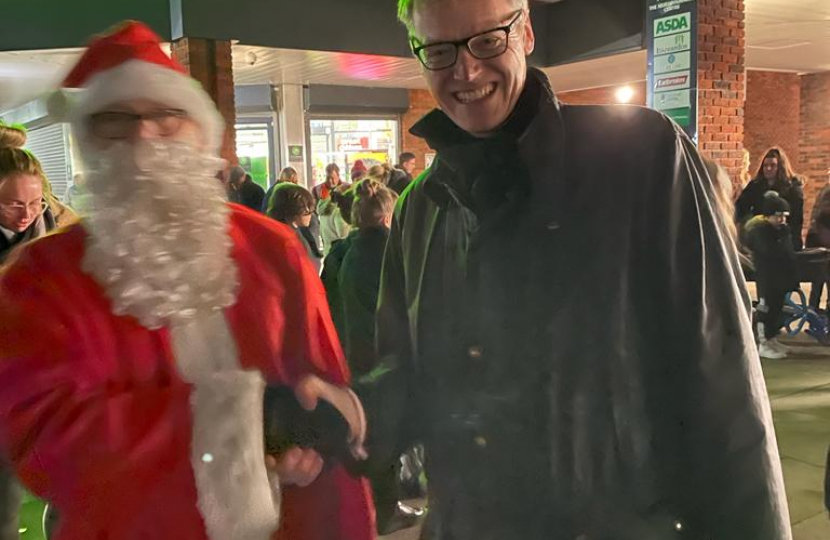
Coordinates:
[294,205]
[768,239]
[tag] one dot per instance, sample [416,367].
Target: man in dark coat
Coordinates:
[243,190]
[573,370]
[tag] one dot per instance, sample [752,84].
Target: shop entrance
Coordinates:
[344,140]
[255,149]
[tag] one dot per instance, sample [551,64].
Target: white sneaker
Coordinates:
[778,346]
[766,350]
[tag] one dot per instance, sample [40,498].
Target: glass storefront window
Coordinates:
[253,150]
[346,140]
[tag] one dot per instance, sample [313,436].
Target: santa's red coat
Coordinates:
[96,418]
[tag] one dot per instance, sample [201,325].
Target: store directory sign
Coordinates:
[672,60]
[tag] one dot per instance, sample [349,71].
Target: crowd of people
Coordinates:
[178,366]
[769,214]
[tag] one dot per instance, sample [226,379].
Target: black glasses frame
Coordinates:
[507,29]
[130,120]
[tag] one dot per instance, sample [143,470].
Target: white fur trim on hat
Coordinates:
[136,79]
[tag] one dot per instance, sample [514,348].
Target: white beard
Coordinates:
[158,232]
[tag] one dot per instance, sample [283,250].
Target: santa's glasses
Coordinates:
[116,125]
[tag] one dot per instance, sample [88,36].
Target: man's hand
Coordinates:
[311,389]
[296,467]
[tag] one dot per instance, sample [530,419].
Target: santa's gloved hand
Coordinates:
[325,429]
[311,389]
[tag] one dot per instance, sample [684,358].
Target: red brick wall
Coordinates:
[773,105]
[420,103]
[814,155]
[210,62]
[721,82]
[603,95]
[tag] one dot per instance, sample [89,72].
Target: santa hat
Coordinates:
[128,63]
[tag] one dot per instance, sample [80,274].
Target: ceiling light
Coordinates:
[624,94]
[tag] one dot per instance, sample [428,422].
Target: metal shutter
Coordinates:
[50,145]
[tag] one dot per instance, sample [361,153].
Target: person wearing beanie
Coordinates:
[769,240]
[359,170]
[135,347]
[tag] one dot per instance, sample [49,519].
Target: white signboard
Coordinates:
[673,62]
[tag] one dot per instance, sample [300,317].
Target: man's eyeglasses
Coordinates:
[121,125]
[34,208]
[444,54]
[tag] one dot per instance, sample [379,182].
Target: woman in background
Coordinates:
[28,210]
[358,281]
[294,205]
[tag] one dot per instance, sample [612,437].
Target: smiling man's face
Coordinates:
[478,95]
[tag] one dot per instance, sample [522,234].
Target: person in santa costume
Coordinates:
[135,347]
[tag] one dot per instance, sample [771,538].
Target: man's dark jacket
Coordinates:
[249,194]
[563,323]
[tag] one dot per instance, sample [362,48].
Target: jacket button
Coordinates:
[480,441]
[678,525]
[553,226]
[475,352]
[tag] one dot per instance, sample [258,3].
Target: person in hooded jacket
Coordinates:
[358,281]
[768,239]
[334,260]
[775,173]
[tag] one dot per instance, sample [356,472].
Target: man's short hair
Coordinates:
[406,10]
[236,174]
[406,156]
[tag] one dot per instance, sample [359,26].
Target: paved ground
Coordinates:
[799,388]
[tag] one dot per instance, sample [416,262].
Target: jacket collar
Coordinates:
[535,130]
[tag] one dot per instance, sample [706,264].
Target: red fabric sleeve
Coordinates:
[283,327]
[282,314]
[75,426]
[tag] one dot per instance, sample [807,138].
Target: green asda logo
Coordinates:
[672,25]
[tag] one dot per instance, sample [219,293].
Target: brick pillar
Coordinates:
[420,103]
[210,63]
[814,139]
[721,82]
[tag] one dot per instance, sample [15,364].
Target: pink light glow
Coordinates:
[365,67]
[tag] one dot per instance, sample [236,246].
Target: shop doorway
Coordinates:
[344,140]
[255,150]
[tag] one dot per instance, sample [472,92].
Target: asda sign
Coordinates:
[681,22]
[672,27]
